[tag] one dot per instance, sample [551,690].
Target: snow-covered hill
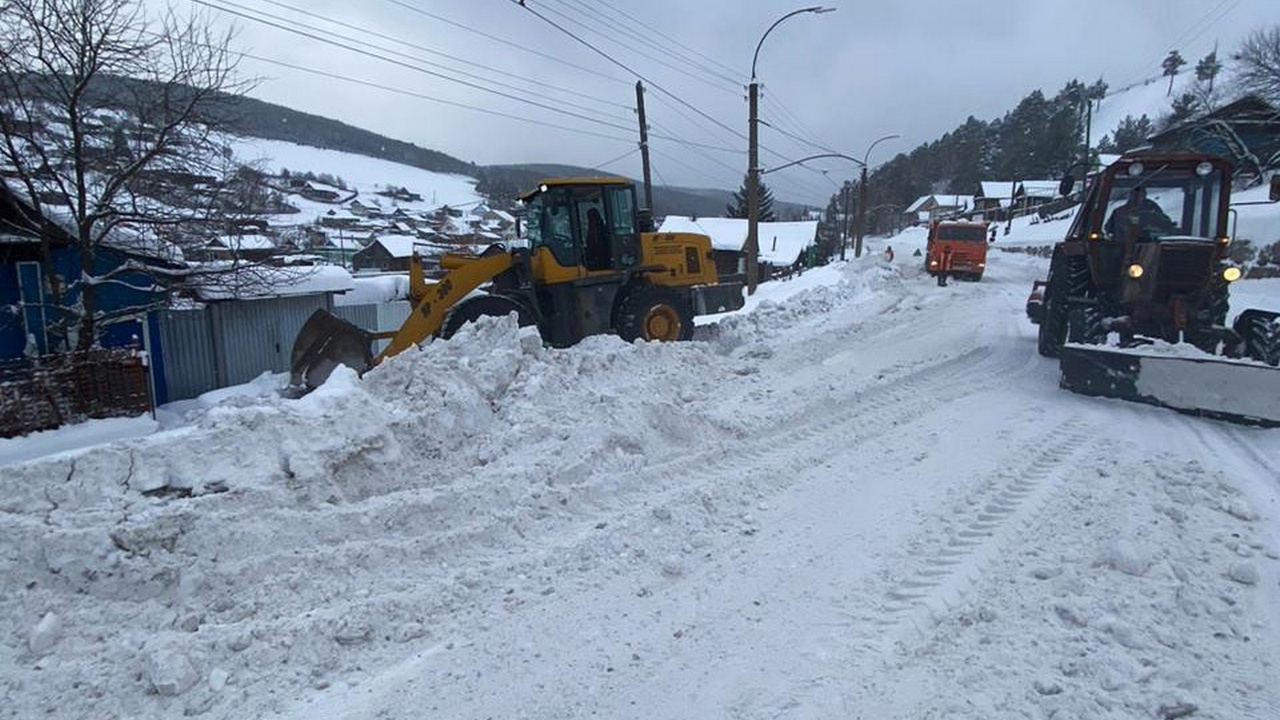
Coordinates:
[364,176]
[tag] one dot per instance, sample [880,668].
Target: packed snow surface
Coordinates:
[865,498]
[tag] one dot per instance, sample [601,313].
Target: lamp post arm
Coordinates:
[776,23]
[812,157]
[872,145]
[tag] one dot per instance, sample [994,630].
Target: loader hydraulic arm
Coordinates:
[465,274]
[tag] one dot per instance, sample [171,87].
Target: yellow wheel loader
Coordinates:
[592,265]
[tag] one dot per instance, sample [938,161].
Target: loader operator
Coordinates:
[1140,218]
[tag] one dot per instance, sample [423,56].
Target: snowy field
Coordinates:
[864,496]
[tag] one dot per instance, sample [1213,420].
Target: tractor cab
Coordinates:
[1155,225]
[581,227]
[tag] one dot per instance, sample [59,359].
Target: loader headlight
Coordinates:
[1135,271]
[1203,169]
[1231,274]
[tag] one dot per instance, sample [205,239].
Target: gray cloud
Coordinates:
[838,79]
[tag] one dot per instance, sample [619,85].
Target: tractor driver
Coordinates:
[1139,218]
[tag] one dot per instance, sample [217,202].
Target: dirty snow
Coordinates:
[863,497]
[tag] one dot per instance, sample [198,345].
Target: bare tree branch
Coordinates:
[110,127]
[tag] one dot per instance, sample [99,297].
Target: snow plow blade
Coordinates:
[1237,391]
[325,342]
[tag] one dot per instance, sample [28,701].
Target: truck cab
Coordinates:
[957,249]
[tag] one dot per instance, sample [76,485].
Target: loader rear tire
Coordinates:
[648,312]
[474,308]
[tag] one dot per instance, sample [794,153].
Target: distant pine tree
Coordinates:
[738,208]
[1172,62]
[1208,68]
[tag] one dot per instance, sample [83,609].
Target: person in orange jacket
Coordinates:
[944,267]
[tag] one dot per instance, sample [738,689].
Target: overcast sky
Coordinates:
[837,80]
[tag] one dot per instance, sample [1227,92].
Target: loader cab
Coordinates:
[581,228]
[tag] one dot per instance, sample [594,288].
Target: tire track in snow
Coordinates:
[943,573]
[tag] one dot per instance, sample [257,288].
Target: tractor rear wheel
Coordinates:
[1260,331]
[474,308]
[1053,321]
[648,312]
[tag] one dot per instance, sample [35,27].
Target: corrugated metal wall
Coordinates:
[187,343]
[256,336]
[230,343]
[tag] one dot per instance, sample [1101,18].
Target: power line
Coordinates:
[505,42]
[609,21]
[421,96]
[733,74]
[606,56]
[423,48]
[409,66]
[294,24]
[623,156]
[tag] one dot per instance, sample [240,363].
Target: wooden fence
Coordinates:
[54,390]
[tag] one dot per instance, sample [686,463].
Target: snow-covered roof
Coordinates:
[1040,188]
[399,246]
[996,189]
[780,242]
[244,242]
[919,202]
[267,282]
[343,242]
[954,201]
[375,289]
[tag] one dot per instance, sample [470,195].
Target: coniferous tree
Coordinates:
[738,208]
[1130,133]
[1184,107]
[1172,62]
[1208,68]
[1098,91]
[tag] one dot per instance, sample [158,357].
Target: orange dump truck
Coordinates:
[957,249]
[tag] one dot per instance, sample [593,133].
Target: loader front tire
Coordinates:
[648,312]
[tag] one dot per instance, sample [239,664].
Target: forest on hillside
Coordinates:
[1045,134]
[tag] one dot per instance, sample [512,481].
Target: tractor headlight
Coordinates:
[1231,274]
[1135,271]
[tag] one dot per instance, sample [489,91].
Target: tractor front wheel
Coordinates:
[649,312]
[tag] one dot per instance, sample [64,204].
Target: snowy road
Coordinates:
[870,500]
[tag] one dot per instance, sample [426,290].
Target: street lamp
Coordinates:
[862,196]
[753,156]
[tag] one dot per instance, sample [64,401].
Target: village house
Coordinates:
[937,206]
[782,244]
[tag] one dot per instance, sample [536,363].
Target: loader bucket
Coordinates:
[325,342]
[1239,391]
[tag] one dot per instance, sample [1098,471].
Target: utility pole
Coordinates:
[862,211]
[845,192]
[644,147]
[752,249]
